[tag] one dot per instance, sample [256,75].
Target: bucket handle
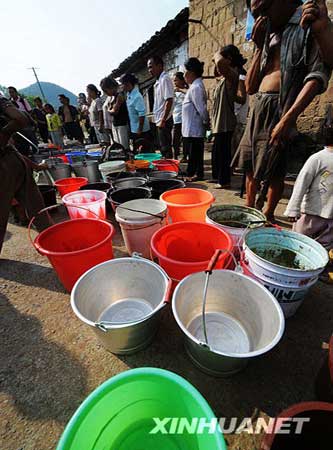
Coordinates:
[50,208]
[266,223]
[209,271]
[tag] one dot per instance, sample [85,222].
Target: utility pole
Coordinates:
[39,85]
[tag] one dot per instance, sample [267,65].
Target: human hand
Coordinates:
[315,14]
[259,32]
[162,123]
[281,131]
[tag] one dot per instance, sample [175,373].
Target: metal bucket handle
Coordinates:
[209,271]
[256,222]
[50,208]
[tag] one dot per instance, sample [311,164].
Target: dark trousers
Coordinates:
[16,181]
[195,149]
[177,138]
[165,138]
[221,157]
[73,130]
[43,131]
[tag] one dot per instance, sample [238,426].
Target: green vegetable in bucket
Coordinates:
[280,256]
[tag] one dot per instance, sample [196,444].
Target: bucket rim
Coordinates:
[111,233]
[253,354]
[117,261]
[286,233]
[255,212]
[131,375]
[60,182]
[211,199]
[179,224]
[146,218]
[83,192]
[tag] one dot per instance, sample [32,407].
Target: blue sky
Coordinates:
[75,42]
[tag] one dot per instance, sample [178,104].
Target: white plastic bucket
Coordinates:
[222,214]
[85,204]
[311,257]
[139,220]
[111,167]
[289,298]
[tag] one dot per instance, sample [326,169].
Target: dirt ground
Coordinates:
[50,362]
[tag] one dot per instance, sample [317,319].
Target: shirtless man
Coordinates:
[315,15]
[285,78]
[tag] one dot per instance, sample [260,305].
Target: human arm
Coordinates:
[224,69]
[16,121]
[167,109]
[99,106]
[140,108]
[241,92]
[168,95]
[199,99]
[302,185]
[182,90]
[116,107]
[315,14]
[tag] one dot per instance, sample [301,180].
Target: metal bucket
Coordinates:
[284,257]
[87,169]
[59,171]
[243,320]
[131,182]
[157,175]
[121,301]
[235,219]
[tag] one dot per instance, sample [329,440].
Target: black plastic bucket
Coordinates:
[49,194]
[119,175]
[162,175]
[120,196]
[104,187]
[160,186]
[127,183]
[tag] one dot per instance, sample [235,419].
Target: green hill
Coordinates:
[51,92]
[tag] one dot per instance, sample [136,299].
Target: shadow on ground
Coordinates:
[44,380]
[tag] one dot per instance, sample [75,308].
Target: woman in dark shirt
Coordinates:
[118,110]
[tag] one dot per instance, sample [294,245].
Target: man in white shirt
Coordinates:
[163,104]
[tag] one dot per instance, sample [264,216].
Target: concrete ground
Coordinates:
[50,361]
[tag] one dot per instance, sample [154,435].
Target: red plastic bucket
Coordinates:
[75,246]
[169,165]
[67,185]
[188,204]
[187,247]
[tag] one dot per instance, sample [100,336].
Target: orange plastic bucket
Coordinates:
[137,164]
[188,204]
[187,247]
[168,165]
[75,246]
[67,185]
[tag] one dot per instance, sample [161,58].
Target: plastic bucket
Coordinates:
[67,185]
[87,169]
[170,165]
[120,196]
[187,247]
[75,246]
[289,298]
[75,156]
[110,177]
[139,220]
[121,301]
[59,171]
[85,204]
[165,175]
[103,187]
[235,220]
[120,415]
[284,257]
[243,320]
[158,187]
[110,167]
[148,156]
[187,205]
[49,194]
[131,182]
[138,164]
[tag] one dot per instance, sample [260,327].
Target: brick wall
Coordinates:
[225,21]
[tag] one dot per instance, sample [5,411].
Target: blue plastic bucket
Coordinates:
[75,156]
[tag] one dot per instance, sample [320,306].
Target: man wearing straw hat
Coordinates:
[16,180]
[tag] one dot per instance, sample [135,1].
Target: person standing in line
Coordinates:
[96,113]
[54,125]
[39,116]
[180,92]
[195,119]
[241,111]
[118,110]
[83,108]
[163,104]
[70,119]
[139,124]
[228,62]
[21,102]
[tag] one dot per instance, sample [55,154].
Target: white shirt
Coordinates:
[178,107]
[313,190]
[195,113]
[163,90]
[108,118]
[95,107]
[22,104]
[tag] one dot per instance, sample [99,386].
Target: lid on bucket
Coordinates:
[141,211]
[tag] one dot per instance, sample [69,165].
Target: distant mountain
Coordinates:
[51,92]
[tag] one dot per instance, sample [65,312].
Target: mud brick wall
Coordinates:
[224,22]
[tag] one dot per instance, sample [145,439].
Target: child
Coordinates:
[54,125]
[311,204]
